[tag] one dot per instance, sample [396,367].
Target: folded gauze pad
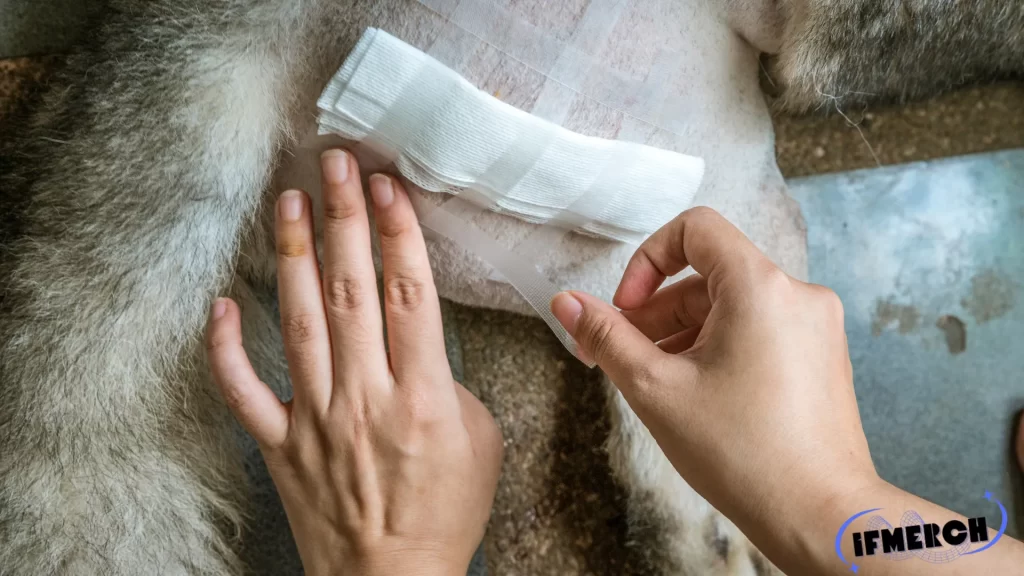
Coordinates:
[447,136]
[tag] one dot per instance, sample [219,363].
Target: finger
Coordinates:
[411,307]
[602,333]
[672,309]
[303,326]
[350,283]
[250,400]
[699,237]
[681,341]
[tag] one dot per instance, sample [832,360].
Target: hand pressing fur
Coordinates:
[385,465]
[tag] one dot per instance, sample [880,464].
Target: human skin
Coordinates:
[384,464]
[742,374]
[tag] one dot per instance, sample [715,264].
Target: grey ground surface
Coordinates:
[557,509]
[932,317]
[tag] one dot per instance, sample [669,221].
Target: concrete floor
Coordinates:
[558,510]
[928,259]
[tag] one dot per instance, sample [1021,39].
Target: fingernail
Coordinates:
[335,165]
[220,306]
[567,309]
[291,205]
[381,190]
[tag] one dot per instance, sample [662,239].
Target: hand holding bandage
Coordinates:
[743,376]
[445,135]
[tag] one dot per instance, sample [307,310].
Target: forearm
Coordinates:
[809,547]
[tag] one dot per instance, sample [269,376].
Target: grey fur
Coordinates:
[839,53]
[126,205]
[140,188]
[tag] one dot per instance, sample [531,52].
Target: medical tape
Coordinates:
[631,130]
[548,54]
[571,66]
[554,101]
[582,211]
[508,169]
[535,289]
[503,174]
[405,118]
[566,77]
[590,36]
[450,134]
[451,220]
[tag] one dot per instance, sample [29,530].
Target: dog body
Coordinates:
[142,187]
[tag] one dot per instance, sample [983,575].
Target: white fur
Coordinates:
[116,455]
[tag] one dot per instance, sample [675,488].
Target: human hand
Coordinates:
[749,389]
[384,465]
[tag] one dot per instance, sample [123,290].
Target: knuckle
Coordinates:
[405,293]
[291,248]
[358,420]
[299,329]
[596,335]
[344,293]
[392,228]
[702,213]
[339,209]
[702,219]
[776,282]
[643,378]
[682,313]
[422,409]
[830,301]
[361,422]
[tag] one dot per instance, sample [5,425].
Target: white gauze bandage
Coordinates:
[445,135]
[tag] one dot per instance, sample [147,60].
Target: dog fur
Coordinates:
[141,185]
[839,53]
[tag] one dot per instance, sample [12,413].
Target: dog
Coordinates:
[140,186]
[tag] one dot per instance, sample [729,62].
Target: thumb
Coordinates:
[252,402]
[608,338]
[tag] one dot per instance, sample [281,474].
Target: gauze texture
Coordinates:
[446,136]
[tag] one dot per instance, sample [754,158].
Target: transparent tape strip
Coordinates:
[570,66]
[520,273]
[451,219]
[567,65]
[569,61]
[451,136]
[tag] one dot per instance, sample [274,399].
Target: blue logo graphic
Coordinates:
[914,538]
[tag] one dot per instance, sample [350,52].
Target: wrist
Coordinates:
[408,561]
[412,563]
[802,541]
